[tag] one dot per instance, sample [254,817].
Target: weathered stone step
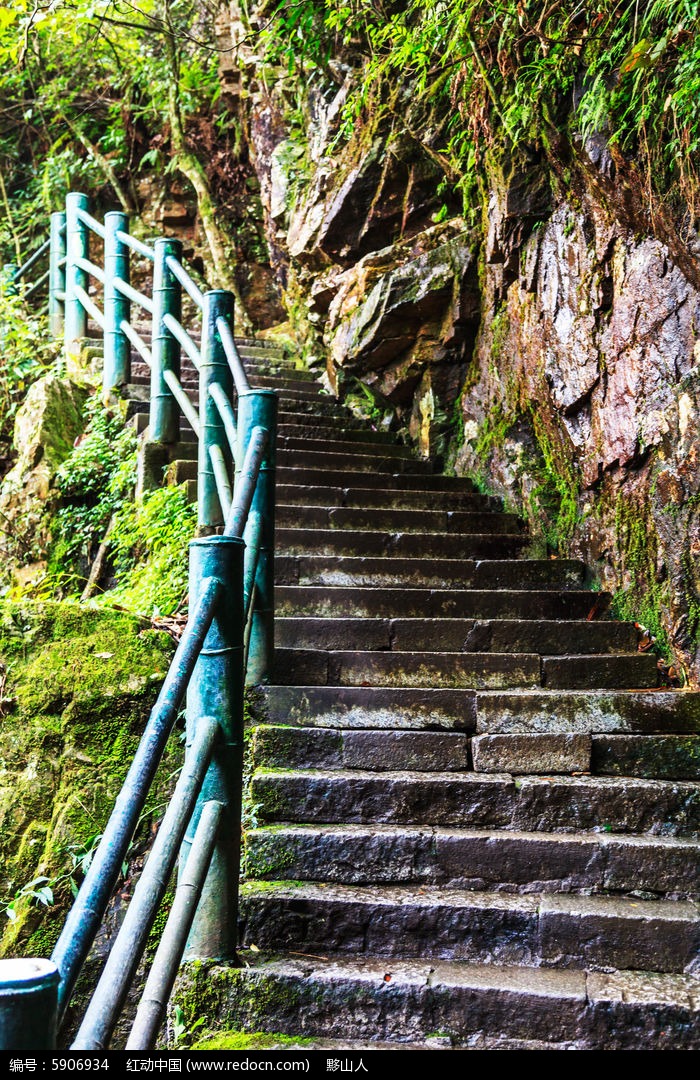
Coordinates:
[369,999]
[342,420]
[632,672]
[455,635]
[337,542]
[394,482]
[292,494]
[659,757]
[288,383]
[549,930]
[397,520]
[405,669]
[669,711]
[370,707]
[316,427]
[335,444]
[275,375]
[459,573]
[285,746]
[503,860]
[437,603]
[560,803]
[292,393]
[666,757]
[357,463]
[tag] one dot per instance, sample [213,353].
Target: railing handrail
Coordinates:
[227,638]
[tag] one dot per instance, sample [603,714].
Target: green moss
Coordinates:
[254,1040]
[79,686]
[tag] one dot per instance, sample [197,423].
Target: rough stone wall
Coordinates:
[552,352]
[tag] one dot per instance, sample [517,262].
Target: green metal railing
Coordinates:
[228,640]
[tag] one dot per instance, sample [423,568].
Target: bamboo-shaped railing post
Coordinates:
[164,421]
[117,354]
[57,273]
[258,408]
[216,689]
[214,369]
[77,247]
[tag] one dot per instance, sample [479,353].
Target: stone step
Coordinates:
[275,375]
[666,757]
[433,603]
[307,420]
[366,498]
[455,635]
[353,998]
[497,860]
[459,573]
[548,930]
[603,712]
[537,803]
[287,393]
[405,669]
[288,383]
[374,462]
[317,427]
[337,542]
[370,707]
[394,482]
[335,444]
[284,746]
[631,672]
[392,520]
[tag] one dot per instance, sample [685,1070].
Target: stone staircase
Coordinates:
[478,815]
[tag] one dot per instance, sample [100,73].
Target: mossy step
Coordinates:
[374,462]
[549,930]
[405,669]
[393,519]
[452,635]
[316,475]
[335,443]
[343,542]
[437,603]
[595,712]
[460,573]
[365,498]
[492,859]
[289,747]
[409,999]
[370,707]
[538,803]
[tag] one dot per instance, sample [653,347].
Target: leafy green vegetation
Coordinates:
[25,338]
[510,72]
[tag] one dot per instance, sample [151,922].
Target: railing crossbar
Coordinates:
[112,988]
[29,263]
[240,379]
[137,341]
[89,305]
[161,978]
[246,482]
[133,294]
[136,245]
[91,222]
[90,268]
[177,270]
[37,284]
[87,912]
[228,416]
[180,334]
[223,485]
[183,400]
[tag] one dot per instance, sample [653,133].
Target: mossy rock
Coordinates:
[79,685]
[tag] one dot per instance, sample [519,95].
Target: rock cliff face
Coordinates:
[552,351]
